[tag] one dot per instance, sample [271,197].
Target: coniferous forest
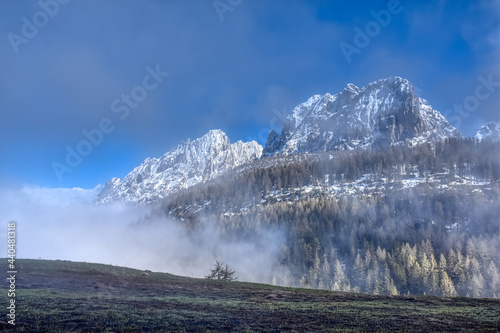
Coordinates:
[405,220]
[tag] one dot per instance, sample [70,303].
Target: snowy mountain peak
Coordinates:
[188,164]
[351,90]
[381,114]
[490,132]
[216,136]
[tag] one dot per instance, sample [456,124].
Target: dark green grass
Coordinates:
[61,296]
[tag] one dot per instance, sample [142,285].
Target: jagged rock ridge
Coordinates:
[383,113]
[188,164]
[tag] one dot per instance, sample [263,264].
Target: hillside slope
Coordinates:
[61,296]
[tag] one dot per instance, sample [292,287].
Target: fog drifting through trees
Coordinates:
[437,237]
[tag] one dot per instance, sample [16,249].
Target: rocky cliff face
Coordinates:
[188,164]
[384,113]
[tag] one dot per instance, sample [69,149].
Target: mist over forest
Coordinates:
[418,220]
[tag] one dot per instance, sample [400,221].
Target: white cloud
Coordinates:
[52,221]
[59,224]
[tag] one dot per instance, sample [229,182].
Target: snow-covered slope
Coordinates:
[489,132]
[188,164]
[383,113]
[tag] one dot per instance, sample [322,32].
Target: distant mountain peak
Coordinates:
[381,114]
[190,163]
[490,132]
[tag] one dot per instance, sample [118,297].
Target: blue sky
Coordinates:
[64,77]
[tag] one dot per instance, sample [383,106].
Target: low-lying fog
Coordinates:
[60,224]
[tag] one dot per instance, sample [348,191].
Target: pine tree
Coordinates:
[359,272]
[446,285]
[493,278]
[476,285]
[303,283]
[426,271]
[434,276]
[339,277]
[415,279]
[443,267]
[389,286]
[221,272]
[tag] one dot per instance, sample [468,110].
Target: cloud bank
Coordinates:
[60,224]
